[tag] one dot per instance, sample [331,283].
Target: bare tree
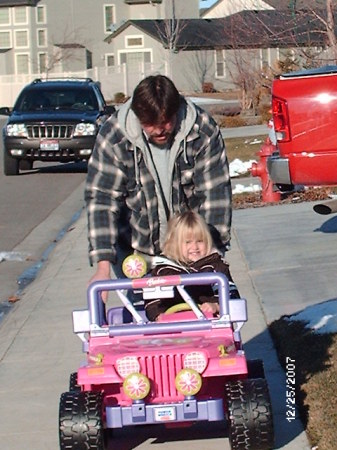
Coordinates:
[169,31]
[68,49]
[304,34]
[328,22]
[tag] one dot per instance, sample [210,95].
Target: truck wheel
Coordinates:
[11,165]
[249,415]
[80,421]
[73,386]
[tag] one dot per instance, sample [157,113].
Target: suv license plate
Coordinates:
[165,414]
[51,145]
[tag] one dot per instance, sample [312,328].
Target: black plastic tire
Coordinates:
[73,386]
[80,421]
[250,421]
[255,368]
[11,165]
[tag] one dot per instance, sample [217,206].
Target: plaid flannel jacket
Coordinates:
[118,177]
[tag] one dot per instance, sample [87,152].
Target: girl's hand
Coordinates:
[210,308]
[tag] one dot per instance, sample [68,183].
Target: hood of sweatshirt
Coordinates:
[131,128]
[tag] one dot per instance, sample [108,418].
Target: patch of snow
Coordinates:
[240,188]
[238,167]
[13,256]
[321,318]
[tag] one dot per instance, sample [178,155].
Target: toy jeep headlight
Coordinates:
[127,365]
[136,386]
[188,382]
[196,361]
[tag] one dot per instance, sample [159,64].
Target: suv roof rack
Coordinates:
[44,80]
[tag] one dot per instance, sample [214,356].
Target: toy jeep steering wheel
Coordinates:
[179,307]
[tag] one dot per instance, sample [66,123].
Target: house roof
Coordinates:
[245,29]
[19,2]
[70,45]
[296,4]
[279,5]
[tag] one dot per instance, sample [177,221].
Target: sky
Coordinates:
[206,3]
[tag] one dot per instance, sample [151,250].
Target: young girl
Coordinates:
[188,248]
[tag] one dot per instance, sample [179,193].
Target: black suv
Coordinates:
[53,120]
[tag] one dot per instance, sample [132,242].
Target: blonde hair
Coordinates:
[182,227]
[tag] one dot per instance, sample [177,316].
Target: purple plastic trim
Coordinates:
[159,328]
[94,290]
[142,414]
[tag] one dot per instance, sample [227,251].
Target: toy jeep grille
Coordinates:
[163,369]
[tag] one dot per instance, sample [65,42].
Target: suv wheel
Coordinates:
[25,164]
[80,421]
[11,165]
[249,415]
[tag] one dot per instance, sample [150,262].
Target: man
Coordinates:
[157,155]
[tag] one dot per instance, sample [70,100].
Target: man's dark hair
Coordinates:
[155,100]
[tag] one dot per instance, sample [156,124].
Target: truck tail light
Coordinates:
[281,119]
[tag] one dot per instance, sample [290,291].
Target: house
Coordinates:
[67,37]
[39,36]
[248,40]
[222,8]
[119,42]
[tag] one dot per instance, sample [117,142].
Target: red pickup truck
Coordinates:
[304,108]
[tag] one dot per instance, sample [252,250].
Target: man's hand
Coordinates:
[103,272]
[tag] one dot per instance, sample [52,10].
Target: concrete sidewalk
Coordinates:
[275,250]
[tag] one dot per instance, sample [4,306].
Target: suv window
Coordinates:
[57,98]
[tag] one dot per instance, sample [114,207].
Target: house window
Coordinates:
[135,58]
[88,57]
[265,57]
[42,38]
[22,63]
[134,41]
[4,16]
[40,14]
[5,39]
[220,64]
[21,38]
[20,15]
[43,62]
[109,60]
[109,17]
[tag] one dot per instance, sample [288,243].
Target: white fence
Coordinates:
[111,79]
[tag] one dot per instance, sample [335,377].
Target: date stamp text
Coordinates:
[290,389]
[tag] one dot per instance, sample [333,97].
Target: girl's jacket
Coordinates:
[200,294]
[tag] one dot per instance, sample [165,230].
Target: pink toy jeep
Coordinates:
[185,367]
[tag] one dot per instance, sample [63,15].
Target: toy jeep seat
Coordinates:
[119,315]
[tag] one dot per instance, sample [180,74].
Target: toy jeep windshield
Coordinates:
[186,367]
